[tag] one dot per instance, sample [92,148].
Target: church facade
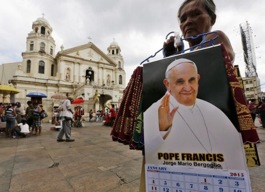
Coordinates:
[82,71]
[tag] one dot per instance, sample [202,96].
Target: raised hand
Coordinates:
[165,116]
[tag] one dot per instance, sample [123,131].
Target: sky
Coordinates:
[138,26]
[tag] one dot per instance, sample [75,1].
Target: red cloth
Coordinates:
[246,124]
[124,123]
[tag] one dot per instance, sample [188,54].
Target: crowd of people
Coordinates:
[106,116]
[69,117]
[22,121]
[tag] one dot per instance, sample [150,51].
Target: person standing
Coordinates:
[36,124]
[252,108]
[29,114]
[10,114]
[195,17]
[20,112]
[1,112]
[261,110]
[66,114]
[112,114]
[90,115]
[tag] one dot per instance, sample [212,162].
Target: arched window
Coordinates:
[52,70]
[108,80]
[51,50]
[31,46]
[119,65]
[120,79]
[90,74]
[42,30]
[42,47]
[41,67]
[68,74]
[28,66]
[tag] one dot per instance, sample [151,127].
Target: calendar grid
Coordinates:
[168,179]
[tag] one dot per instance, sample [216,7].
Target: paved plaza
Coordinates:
[93,163]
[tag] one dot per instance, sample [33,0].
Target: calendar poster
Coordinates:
[200,149]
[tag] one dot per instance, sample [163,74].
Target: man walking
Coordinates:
[66,114]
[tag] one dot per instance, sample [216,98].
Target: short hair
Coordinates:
[178,62]
[207,4]
[23,121]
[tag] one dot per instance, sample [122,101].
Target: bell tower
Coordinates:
[114,52]
[38,59]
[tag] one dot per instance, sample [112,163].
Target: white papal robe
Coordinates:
[196,131]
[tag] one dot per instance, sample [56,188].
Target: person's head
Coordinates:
[181,81]
[70,99]
[23,121]
[18,104]
[29,103]
[196,17]
[253,100]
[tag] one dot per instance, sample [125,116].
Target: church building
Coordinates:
[83,71]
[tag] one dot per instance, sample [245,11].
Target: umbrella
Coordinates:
[59,96]
[78,101]
[7,89]
[36,94]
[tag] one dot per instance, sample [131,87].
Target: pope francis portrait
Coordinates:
[180,129]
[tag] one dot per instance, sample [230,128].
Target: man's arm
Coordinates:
[222,39]
[169,48]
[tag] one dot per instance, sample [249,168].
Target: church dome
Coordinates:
[41,21]
[114,45]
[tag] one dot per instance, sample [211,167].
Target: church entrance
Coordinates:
[103,100]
